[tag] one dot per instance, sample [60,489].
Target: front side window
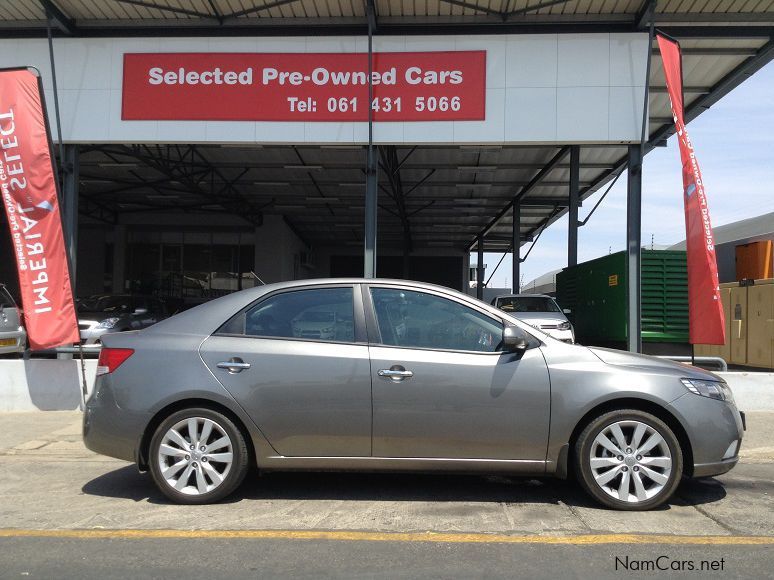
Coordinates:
[419,320]
[314,314]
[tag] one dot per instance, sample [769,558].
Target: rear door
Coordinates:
[441,387]
[305,382]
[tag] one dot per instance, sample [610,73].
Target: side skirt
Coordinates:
[514,466]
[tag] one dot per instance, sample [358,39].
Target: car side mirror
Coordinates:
[566,310]
[514,338]
[140,311]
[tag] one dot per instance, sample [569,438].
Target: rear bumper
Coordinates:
[108,429]
[18,336]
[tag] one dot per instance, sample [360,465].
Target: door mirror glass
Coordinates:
[567,311]
[514,338]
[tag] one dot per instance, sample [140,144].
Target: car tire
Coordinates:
[205,473]
[628,460]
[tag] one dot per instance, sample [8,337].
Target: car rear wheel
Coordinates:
[629,460]
[198,456]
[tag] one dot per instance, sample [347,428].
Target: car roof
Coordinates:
[208,317]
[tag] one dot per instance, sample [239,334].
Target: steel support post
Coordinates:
[70,170]
[572,212]
[516,256]
[371,202]
[371,209]
[633,242]
[480,270]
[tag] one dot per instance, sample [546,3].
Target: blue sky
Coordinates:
[734,142]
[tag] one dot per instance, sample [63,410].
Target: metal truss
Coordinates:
[186,166]
[523,20]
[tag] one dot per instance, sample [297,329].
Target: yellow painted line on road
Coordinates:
[352,536]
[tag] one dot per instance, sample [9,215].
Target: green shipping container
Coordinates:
[595,292]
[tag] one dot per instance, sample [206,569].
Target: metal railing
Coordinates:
[710,363]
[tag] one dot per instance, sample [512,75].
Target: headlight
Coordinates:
[108,323]
[564,326]
[713,389]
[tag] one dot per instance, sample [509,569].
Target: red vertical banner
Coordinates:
[706,320]
[28,188]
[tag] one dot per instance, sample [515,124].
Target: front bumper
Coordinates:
[567,336]
[715,430]
[93,335]
[712,469]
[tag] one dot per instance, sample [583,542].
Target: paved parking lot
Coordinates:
[56,496]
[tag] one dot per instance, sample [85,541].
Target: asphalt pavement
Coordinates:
[66,512]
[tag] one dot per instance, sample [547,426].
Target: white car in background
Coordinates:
[539,311]
[316,324]
[13,337]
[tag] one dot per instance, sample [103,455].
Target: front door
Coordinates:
[295,364]
[441,387]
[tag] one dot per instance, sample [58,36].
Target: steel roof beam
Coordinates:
[476,7]
[525,24]
[645,14]
[534,7]
[256,9]
[523,192]
[163,8]
[59,18]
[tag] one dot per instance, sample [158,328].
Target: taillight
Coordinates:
[112,358]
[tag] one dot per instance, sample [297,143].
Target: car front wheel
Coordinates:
[198,456]
[629,460]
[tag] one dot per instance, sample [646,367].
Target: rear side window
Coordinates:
[314,314]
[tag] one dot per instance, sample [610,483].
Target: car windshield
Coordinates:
[104,304]
[527,304]
[5,298]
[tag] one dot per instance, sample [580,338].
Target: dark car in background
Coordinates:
[103,313]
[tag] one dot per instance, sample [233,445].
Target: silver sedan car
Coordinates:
[415,377]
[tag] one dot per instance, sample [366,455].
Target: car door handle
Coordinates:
[234,365]
[395,374]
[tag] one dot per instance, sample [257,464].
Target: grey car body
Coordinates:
[13,337]
[104,313]
[334,405]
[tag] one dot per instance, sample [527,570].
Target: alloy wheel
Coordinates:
[195,456]
[630,461]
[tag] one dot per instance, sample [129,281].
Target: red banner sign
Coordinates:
[29,195]
[407,86]
[705,310]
